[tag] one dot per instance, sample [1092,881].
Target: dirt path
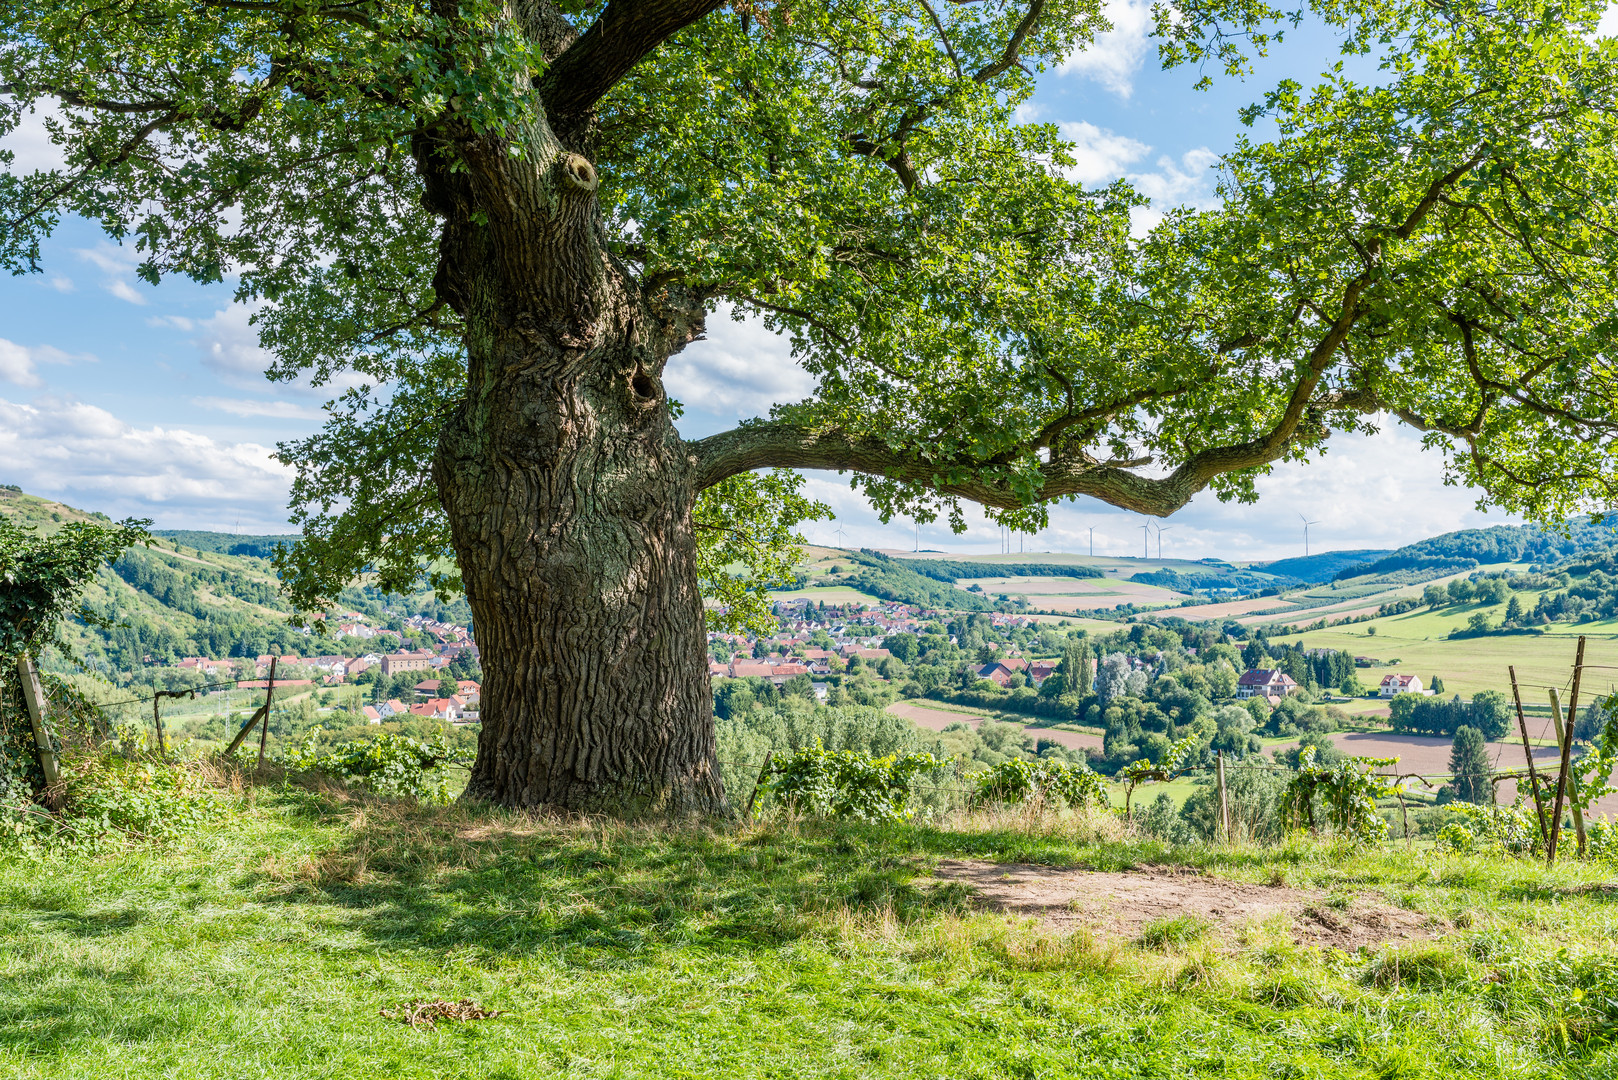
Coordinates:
[939,719]
[1123,905]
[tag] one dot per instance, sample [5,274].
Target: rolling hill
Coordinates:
[199,594]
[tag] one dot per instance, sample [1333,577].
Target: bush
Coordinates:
[111,799]
[846,784]
[1252,793]
[395,765]
[1053,782]
[1347,790]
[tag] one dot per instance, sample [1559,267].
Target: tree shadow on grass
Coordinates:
[502,885]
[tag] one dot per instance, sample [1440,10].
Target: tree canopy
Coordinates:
[1433,244]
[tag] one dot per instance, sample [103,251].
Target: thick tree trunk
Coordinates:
[575,543]
[568,491]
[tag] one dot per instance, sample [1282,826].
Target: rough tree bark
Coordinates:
[568,491]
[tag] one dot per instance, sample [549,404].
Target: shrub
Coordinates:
[1348,791]
[847,784]
[1054,782]
[395,765]
[111,799]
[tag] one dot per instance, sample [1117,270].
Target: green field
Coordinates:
[290,937]
[1418,639]
[829,594]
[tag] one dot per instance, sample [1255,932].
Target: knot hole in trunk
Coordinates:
[578,174]
[644,387]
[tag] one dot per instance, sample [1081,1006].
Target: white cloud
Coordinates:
[286,410]
[230,347]
[1116,54]
[1101,156]
[31,144]
[1378,491]
[18,363]
[1028,112]
[61,283]
[176,322]
[1609,23]
[741,369]
[1189,180]
[89,458]
[125,291]
[1186,182]
[109,258]
[118,263]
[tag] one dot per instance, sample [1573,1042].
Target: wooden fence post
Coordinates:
[1567,755]
[157,722]
[262,713]
[1533,776]
[34,695]
[1572,778]
[264,725]
[1224,803]
[762,769]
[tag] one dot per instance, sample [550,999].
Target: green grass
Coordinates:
[1419,639]
[268,946]
[1175,932]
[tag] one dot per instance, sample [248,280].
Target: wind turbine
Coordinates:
[1160,531]
[1146,540]
[1306,524]
[840,541]
[1092,541]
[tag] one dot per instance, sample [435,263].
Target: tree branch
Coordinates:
[626,32]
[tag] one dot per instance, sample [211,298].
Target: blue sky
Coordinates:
[129,399]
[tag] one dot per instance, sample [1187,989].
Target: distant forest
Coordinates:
[1499,543]
[951,570]
[251,547]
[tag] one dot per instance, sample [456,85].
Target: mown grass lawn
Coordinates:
[269,946]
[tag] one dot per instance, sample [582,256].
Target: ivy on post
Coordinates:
[42,580]
[34,695]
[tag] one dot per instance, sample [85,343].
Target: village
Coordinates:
[816,643]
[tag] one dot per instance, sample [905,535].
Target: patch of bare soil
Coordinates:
[1122,905]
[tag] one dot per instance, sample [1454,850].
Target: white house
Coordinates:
[1394,685]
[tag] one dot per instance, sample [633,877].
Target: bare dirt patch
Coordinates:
[1122,905]
[939,719]
[1230,608]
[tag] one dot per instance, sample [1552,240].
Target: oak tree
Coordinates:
[490,223]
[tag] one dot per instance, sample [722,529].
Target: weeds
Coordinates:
[1175,932]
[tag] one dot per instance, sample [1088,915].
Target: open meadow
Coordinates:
[1419,641]
[299,933]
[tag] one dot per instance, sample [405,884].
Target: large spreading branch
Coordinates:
[617,41]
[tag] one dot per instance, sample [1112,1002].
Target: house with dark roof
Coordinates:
[1265,683]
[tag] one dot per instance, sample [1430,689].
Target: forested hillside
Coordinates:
[1467,548]
[1323,566]
[257,547]
[953,570]
[201,594]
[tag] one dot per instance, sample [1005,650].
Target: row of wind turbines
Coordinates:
[1146,537]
